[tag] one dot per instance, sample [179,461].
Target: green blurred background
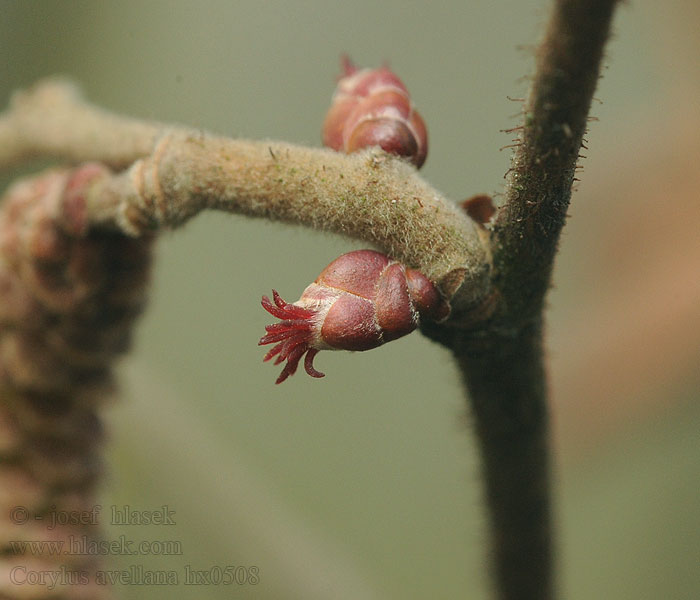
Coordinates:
[365,484]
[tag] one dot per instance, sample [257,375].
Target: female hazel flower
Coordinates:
[361,300]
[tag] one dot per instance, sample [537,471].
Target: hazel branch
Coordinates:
[526,233]
[51,119]
[502,360]
[176,173]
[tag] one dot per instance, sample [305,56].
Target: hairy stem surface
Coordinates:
[176,172]
[506,383]
[526,233]
[501,358]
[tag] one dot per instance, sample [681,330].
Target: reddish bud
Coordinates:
[372,107]
[480,208]
[361,300]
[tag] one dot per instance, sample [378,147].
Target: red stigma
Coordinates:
[293,335]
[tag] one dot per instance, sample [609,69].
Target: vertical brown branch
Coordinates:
[527,230]
[501,359]
[506,383]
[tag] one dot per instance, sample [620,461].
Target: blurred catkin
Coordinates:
[69,294]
